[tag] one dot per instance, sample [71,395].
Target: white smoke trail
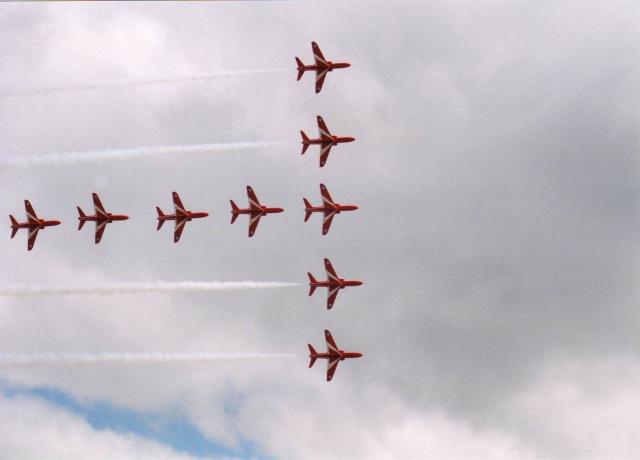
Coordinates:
[139,82]
[68,158]
[54,359]
[24,290]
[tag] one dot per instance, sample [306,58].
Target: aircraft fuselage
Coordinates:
[188,215]
[341,283]
[254,211]
[337,208]
[100,218]
[41,223]
[329,66]
[342,355]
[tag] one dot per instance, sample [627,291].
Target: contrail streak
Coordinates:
[139,82]
[54,359]
[24,290]
[69,158]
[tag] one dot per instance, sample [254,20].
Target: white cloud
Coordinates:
[36,429]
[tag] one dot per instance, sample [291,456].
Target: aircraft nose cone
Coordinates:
[56,222]
[358,283]
[351,139]
[358,355]
[279,209]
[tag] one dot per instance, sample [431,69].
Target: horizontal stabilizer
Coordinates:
[307,206]
[312,354]
[14,230]
[13,220]
[312,284]
[160,218]
[234,207]
[305,139]
[300,71]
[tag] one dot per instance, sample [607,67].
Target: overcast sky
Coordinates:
[497,172]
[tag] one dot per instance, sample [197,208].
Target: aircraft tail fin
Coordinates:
[81,214]
[312,357]
[300,71]
[312,284]
[160,218]
[14,228]
[307,206]
[234,207]
[305,139]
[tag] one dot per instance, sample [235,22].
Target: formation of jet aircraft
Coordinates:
[321,66]
[333,355]
[333,283]
[101,217]
[329,208]
[325,141]
[255,211]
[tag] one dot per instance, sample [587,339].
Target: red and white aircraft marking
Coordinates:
[33,223]
[101,217]
[325,141]
[329,208]
[333,283]
[333,355]
[255,211]
[181,216]
[321,66]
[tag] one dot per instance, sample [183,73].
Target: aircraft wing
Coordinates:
[177,232]
[322,128]
[326,196]
[254,203]
[177,203]
[325,148]
[31,214]
[331,344]
[317,55]
[332,294]
[100,227]
[320,76]
[33,234]
[332,365]
[253,223]
[97,204]
[326,223]
[331,273]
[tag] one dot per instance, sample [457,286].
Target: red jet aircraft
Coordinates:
[181,216]
[326,141]
[329,208]
[33,223]
[334,355]
[333,284]
[101,217]
[255,211]
[322,66]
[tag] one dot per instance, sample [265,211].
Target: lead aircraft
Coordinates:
[326,141]
[181,216]
[328,208]
[255,211]
[333,283]
[333,355]
[101,217]
[321,66]
[33,223]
